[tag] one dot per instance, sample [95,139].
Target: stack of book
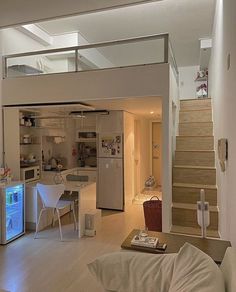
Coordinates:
[145,241]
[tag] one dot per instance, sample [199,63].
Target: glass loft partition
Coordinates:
[152,49]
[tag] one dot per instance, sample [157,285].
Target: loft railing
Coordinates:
[152,49]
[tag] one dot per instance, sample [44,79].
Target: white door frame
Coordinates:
[150,131]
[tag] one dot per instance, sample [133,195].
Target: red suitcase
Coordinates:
[153,214]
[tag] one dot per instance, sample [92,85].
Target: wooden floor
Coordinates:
[48,265]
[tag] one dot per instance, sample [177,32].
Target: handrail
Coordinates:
[90,46]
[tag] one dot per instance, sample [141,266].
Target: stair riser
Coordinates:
[194,176]
[194,143]
[194,231]
[195,104]
[195,116]
[192,195]
[188,218]
[195,158]
[196,129]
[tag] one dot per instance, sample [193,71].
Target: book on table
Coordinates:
[145,241]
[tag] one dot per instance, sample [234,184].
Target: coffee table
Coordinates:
[215,248]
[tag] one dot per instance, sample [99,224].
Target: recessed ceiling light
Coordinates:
[151,113]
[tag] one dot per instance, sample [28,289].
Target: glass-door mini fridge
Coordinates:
[12,211]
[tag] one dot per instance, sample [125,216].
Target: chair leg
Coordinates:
[53,217]
[37,226]
[59,221]
[75,222]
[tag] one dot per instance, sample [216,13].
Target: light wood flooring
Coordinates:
[48,265]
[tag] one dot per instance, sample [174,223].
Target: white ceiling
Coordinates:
[185,20]
[142,106]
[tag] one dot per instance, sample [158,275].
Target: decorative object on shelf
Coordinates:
[202,89]
[26,139]
[203,214]
[201,75]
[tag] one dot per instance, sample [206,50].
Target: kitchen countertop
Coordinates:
[70,185]
[90,168]
[47,177]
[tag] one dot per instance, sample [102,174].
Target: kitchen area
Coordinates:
[105,144]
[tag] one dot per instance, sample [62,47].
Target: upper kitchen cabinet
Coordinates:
[111,122]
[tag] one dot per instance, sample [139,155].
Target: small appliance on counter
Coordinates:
[12,212]
[31,173]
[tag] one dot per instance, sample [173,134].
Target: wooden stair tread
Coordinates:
[195,99]
[197,186]
[194,110]
[210,122]
[193,231]
[193,207]
[208,151]
[187,136]
[194,167]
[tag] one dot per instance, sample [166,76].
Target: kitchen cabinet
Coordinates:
[33,206]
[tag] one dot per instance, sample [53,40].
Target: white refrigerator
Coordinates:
[110,183]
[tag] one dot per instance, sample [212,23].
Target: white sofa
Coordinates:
[189,270]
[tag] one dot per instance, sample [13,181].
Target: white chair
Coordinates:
[50,196]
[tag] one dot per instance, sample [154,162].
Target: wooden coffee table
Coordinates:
[215,248]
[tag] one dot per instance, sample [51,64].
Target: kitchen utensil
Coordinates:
[47,167]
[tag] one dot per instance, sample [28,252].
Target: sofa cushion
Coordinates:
[196,272]
[228,268]
[133,272]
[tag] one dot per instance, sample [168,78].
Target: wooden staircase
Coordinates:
[194,168]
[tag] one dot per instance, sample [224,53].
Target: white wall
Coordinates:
[148,80]
[145,161]
[187,75]
[14,11]
[128,157]
[1,134]
[222,90]
[170,119]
